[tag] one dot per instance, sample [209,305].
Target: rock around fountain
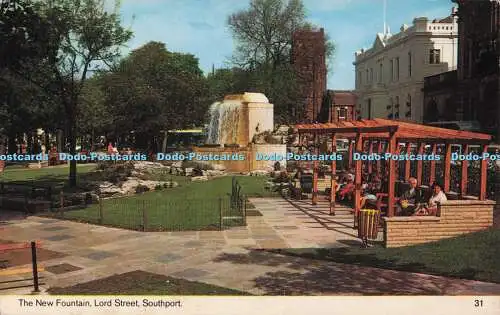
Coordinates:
[233,124]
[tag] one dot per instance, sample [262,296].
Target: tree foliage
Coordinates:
[86,37]
[154,89]
[263,35]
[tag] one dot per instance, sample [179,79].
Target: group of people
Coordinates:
[371,184]
[411,202]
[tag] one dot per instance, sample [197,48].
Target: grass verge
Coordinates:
[473,256]
[143,283]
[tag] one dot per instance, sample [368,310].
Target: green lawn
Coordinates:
[191,206]
[474,256]
[143,283]
[54,176]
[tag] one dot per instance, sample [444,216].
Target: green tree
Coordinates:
[88,38]
[263,32]
[24,35]
[154,89]
[94,116]
[263,35]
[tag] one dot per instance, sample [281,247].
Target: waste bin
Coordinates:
[368,224]
[306,183]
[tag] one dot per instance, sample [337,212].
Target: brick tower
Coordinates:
[309,61]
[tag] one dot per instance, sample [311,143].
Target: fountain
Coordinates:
[233,124]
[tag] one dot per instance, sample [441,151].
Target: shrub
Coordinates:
[141,189]
[197,165]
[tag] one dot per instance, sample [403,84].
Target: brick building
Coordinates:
[471,93]
[309,61]
[478,63]
[339,106]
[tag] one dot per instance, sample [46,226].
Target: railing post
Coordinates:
[144,216]
[61,204]
[221,222]
[35,267]
[49,197]
[101,213]
[26,204]
[244,210]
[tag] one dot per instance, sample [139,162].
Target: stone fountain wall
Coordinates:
[238,118]
[249,163]
[235,121]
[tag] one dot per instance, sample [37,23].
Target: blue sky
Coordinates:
[199,26]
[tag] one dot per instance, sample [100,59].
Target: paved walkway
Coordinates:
[230,258]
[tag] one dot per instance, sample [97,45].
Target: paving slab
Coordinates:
[236,258]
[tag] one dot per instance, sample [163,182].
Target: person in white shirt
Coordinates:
[438,197]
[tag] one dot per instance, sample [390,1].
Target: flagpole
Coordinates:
[385,16]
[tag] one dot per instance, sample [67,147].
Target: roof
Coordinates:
[448,19]
[186,131]
[340,97]
[379,129]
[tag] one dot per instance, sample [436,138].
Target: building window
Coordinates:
[360,77]
[371,74]
[392,69]
[369,108]
[380,73]
[397,68]
[390,108]
[408,107]
[396,107]
[367,76]
[409,64]
[434,56]
[342,113]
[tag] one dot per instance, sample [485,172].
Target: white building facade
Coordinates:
[390,75]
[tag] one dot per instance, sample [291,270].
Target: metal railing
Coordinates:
[147,212]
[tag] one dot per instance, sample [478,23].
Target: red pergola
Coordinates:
[387,134]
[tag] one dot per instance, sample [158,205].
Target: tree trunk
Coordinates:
[2,151]
[72,151]
[12,143]
[29,144]
[92,146]
[71,130]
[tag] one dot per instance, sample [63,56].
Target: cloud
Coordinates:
[201,25]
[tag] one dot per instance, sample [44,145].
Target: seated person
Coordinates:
[368,193]
[410,199]
[346,190]
[438,196]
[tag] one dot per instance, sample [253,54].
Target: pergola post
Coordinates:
[333,180]
[397,151]
[358,174]
[370,152]
[349,166]
[420,163]
[301,143]
[465,169]
[447,168]
[408,162]
[314,199]
[392,176]
[432,168]
[484,175]
[379,162]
